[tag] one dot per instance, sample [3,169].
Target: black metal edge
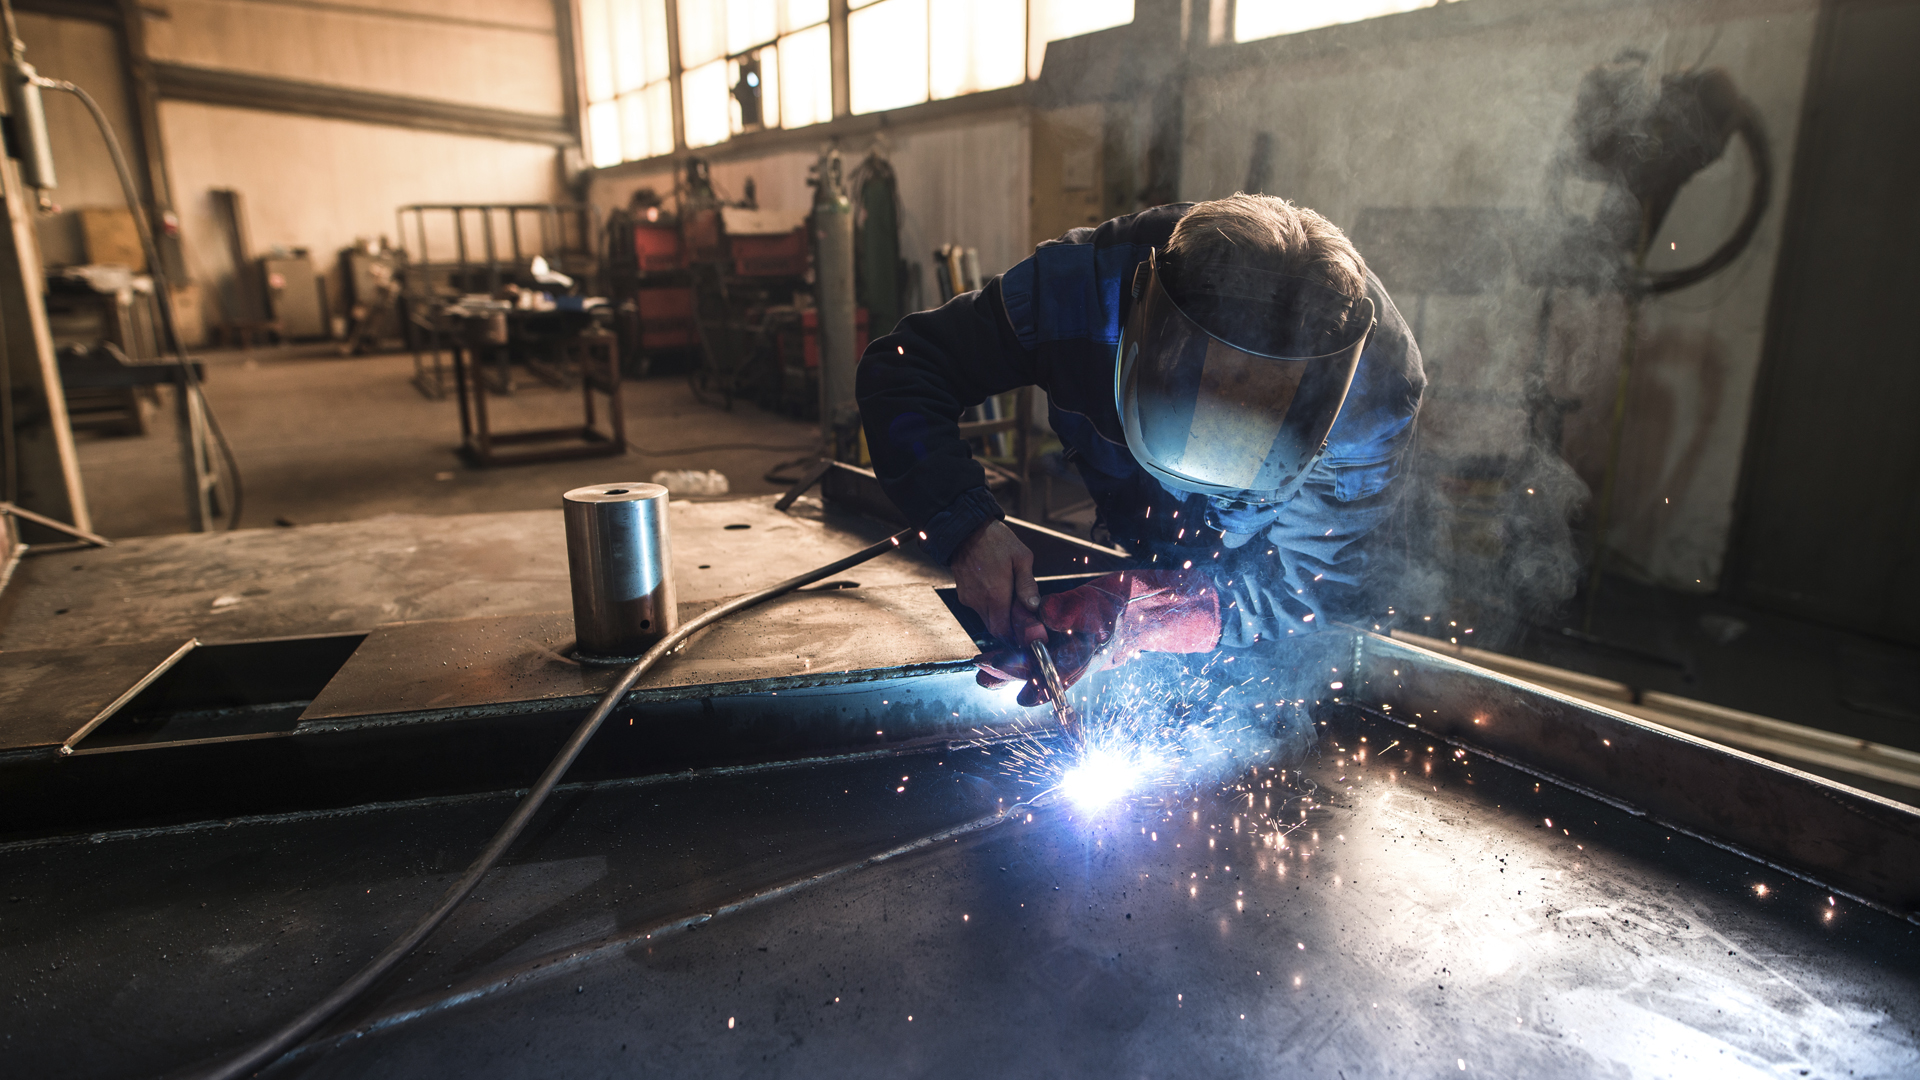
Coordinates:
[1816,829]
[638,698]
[223,778]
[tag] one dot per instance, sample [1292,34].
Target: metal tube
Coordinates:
[622,568]
[834,293]
[30,125]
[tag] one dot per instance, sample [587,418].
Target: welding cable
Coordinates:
[270,1048]
[161,286]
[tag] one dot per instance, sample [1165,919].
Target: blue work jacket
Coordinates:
[1054,321]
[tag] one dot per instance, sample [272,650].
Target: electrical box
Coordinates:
[294,298]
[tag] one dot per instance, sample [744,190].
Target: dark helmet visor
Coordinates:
[1241,398]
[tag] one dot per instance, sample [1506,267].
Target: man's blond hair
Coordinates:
[1270,234]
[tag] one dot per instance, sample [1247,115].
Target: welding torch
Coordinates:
[1056,688]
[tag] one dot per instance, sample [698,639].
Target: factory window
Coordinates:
[975,48]
[806,87]
[887,55]
[629,97]
[904,52]
[749,65]
[1254,19]
[753,64]
[1052,20]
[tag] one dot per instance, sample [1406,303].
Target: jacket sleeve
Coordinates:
[1311,567]
[912,386]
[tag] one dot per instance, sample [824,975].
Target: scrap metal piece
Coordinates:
[46,522]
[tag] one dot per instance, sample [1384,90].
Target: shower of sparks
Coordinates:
[1154,734]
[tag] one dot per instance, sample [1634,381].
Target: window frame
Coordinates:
[838,66]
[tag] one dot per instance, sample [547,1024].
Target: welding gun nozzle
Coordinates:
[1056,688]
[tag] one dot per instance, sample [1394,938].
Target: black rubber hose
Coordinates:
[270,1048]
[1754,134]
[161,286]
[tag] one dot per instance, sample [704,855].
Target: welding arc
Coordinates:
[281,1041]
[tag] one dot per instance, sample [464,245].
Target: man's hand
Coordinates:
[993,573]
[1109,621]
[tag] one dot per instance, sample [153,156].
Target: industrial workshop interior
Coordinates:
[959,538]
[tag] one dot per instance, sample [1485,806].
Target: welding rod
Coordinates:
[270,1048]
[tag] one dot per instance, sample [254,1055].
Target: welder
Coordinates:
[1235,389]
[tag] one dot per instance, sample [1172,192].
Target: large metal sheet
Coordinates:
[49,695]
[353,576]
[498,663]
[871,919]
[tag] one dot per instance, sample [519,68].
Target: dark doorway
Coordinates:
[1829,522]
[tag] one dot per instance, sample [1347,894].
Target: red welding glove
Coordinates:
[1109,621]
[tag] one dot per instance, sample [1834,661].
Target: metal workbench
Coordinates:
[796,859]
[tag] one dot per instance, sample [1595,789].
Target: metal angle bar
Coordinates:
[1823,830]
[1771,736]
[1639,812]
[56,525]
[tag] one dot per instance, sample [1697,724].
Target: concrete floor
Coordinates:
[323,438]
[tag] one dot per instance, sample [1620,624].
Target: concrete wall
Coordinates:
[321,184]
[496,53]
[1466,105]
[307,182]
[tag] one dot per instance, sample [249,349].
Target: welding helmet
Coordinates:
[1231,392]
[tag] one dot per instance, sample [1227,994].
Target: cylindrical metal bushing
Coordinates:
[622,569]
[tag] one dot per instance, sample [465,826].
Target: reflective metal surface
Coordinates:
[1415,923]
[620,563]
